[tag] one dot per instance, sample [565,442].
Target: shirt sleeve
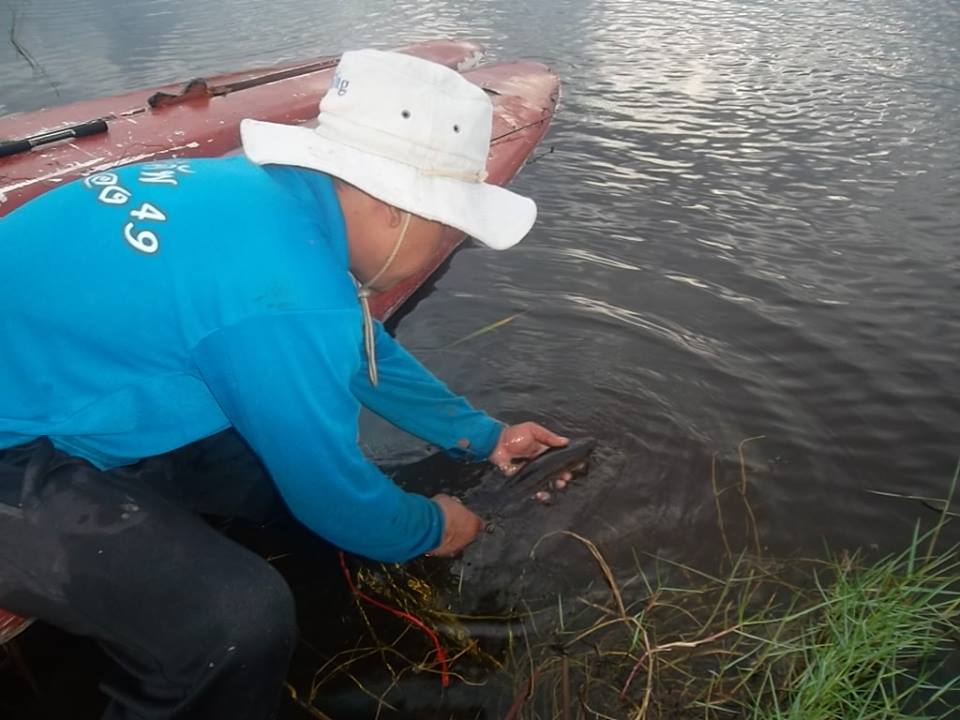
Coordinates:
[283,381]
[412,398]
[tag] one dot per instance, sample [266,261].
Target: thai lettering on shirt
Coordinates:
[143,224]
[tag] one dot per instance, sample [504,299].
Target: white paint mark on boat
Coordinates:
[80,149]
[48,176]
[470,62]
[91,166]
[76,147]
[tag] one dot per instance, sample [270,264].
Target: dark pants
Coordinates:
[199,626]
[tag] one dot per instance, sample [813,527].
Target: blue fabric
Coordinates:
[156,304]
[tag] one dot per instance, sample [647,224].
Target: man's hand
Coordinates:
[460,526]
[523,442]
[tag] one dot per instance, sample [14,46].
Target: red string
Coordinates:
[415,621]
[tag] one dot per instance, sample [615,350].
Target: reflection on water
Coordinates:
[749,226]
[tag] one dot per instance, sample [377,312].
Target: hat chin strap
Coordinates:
[364,292]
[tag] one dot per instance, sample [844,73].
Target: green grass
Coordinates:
[869,646]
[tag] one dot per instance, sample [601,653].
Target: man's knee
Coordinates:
[229,655]
[239,623]
[254,615]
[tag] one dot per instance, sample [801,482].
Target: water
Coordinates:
[749,226]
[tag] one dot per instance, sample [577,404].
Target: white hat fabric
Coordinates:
[409,132]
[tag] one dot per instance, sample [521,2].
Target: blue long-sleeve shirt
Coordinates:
[150,306]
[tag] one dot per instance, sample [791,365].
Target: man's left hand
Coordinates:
[521,443]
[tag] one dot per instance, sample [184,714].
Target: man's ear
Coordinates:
[395,215]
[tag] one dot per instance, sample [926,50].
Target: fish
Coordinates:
[517,510]
[555,460]
[499,494]
[491,573]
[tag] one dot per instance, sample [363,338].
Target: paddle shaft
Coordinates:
[94,127]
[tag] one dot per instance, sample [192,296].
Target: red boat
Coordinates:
[41,150]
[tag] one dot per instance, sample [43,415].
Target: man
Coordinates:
[154,315]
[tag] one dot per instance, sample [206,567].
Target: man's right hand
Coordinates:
[460,526]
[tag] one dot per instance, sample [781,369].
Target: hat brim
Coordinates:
[493,215]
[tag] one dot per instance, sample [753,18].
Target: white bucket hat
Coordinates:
[409,132]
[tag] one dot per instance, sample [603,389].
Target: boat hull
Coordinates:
[198,124]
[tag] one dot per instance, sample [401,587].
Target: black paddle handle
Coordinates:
[94,127]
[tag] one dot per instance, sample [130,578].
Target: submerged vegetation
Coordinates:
[842,637]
